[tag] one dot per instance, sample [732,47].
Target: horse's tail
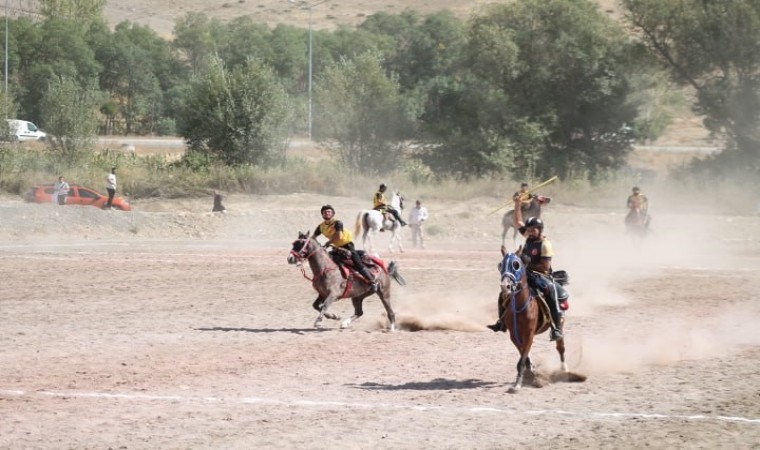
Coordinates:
[358,224]
[393,272]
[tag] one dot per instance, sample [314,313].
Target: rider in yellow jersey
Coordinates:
[638,207]
[382,205]
[524,196]
[339,237]
[540,252]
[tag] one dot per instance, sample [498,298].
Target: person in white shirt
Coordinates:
[417,216]
[111,188]
[61,191]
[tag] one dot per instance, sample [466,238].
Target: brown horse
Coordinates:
[637,223]
[333,281]
[533,209]
[524,314]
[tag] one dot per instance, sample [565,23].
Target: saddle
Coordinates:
[385,211]
[342,258]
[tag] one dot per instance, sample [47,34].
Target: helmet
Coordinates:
[636,189]
[535,222]
[325,208]
[383,186]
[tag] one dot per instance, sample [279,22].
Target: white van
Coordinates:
[22,130]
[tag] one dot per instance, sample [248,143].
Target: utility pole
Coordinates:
[5,90]
[309,7]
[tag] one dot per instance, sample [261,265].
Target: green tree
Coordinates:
[196,37]
[69,113]
[54,49]
[714,47]
[551,85]
[360,108]
[135,60]
[80,11]
[8,107]
[238,116]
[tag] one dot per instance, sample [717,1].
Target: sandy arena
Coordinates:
[173,328]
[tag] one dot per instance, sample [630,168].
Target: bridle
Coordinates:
[511,277]
[306,251]
[512,274]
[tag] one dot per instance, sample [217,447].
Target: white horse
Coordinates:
[371,221]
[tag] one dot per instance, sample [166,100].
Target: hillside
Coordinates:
[161,14]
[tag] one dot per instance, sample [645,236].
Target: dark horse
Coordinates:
[525,315]
[533,209]
[637,223]
[333,281]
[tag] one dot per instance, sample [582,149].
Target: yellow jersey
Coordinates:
[333,227]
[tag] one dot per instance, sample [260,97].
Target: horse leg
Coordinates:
[322,306]
[395,238]
[561,351]
[521,365]
[318,306]
[367,240]
[384,292]
[358,311]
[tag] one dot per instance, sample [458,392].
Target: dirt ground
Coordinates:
[170,327]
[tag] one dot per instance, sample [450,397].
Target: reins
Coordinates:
[304,255]
[515,310]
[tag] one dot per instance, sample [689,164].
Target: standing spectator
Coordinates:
[111,188]
[218,206]
[61,191]
[417,216]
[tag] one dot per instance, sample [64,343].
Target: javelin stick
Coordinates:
[526,194]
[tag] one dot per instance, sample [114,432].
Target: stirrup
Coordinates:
[555,335]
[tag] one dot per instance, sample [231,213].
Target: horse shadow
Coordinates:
[433,385]
[300,331]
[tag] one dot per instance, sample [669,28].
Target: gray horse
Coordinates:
[333,281]
[533,209]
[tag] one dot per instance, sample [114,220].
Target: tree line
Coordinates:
[531,88]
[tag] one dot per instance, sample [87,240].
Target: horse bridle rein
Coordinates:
[304,253]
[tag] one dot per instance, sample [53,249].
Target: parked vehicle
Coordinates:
[78,195]
[23,130]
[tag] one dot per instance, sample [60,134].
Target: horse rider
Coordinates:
[339,237]
[382,205]
[539,249]
[638,206]
[524,196]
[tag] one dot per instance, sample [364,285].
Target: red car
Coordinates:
[78,195]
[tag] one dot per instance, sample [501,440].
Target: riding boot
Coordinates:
[398,217]
[499,325]
[551,299]
[370,279]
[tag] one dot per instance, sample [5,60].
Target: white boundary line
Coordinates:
[381,406]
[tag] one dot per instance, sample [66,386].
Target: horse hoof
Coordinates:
[513,390]
[345,324]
